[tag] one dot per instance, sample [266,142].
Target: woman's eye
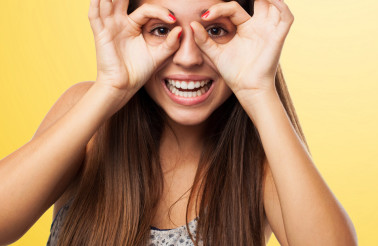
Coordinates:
[160,31]
[216,31]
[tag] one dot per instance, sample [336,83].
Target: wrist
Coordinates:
[114,98]
[257,103]
[256,97]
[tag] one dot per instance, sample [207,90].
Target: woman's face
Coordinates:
[187,85]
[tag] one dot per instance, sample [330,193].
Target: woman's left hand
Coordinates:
[248,62]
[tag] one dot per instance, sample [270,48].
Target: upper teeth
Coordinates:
[187,84]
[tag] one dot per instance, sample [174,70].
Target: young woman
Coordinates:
[187,137]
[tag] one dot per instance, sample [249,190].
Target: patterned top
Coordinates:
[158,237]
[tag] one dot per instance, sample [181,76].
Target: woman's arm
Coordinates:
[310,213]
[33,177]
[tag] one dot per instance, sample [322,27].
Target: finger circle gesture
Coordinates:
[124,60]
[251,57]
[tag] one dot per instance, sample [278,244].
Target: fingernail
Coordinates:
[179,35]
[192,29]
[206,14]
[172,17]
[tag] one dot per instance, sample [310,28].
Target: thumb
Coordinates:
[204,42]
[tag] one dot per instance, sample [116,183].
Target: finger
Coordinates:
[170,45]
[106,8]
[260,8]
[285,13]
[150,11]
[204,42]
[274,14]
[231,10]
[287,18]
[120,6]
[94,17]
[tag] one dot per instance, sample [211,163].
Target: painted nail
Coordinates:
[206,14]
[172,17]
[179,35]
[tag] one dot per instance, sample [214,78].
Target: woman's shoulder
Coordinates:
[74,93]
[64,103]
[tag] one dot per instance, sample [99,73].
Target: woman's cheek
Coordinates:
[151,39]
[224,39]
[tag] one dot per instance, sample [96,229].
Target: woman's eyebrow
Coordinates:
[200,13]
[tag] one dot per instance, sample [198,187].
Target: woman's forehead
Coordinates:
[184,7]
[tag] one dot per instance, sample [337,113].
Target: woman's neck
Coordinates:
[181,145]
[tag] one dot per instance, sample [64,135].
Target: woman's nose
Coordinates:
[188,54]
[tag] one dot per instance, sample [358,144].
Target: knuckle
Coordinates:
[153,9]
[91,16]
[146,6]
[286,7]
[234,4]
[291,18]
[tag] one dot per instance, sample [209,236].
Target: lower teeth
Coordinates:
[196,93]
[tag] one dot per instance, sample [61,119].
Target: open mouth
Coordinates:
[188,88]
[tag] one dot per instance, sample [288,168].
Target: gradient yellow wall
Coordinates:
[329,62]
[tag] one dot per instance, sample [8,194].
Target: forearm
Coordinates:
[33,176]
[311,214]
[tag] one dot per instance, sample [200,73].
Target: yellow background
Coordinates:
[329,61]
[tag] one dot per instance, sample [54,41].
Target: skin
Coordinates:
[292,175]
[188,59]
[181,144]
[300,208]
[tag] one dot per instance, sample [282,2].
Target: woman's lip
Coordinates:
[188,101]
[189,77]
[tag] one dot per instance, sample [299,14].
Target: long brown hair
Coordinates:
[122,179]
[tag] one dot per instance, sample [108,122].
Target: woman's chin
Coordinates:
[188,119]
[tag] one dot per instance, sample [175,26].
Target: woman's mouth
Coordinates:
[188,88]
[188,92]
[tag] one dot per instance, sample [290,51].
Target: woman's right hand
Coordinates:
[124,60]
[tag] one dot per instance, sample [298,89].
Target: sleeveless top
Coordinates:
[165,237]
